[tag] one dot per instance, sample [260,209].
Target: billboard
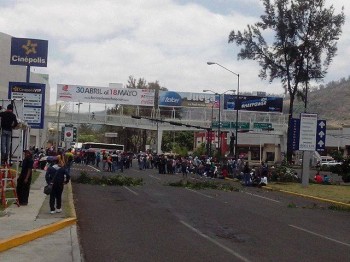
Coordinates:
[253,103]
[28,52]
[105,95]
[187,99]
[33,95]
[229,102]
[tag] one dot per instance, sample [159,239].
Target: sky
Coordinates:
[98,42]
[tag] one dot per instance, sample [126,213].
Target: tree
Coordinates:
[305,42]
[177,141]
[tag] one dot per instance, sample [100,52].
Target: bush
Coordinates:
[284,173]
[114,180]
[197,185]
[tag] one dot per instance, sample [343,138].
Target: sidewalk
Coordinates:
[31,233]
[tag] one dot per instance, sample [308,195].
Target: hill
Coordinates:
[331,102]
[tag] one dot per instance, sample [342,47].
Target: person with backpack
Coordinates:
[58,176]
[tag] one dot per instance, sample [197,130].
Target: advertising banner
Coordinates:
[105,95]
[33,95]
[29,52]
[253,103]
[187,99]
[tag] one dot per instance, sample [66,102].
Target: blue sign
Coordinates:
[33,96]
[321,135]
[29,52]
[294,135]
[253,103]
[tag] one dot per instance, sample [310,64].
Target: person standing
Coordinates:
[69,158]
[58,176]
[8,122]
[246,174]
[25,178]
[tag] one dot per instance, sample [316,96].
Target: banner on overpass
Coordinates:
[187,99]
[105,95]
[253,103]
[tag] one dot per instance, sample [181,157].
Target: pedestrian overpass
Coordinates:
[190,120]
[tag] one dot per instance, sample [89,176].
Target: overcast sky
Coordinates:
[97,42]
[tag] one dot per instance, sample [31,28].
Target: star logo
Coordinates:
[30,47]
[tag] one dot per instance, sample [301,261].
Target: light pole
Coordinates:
[219,126]
[236,105]
[77,140]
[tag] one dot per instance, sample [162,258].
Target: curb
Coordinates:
[34,234]
[307,196]
[302,195]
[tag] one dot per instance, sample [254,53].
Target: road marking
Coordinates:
[132,191]
[155,177]
[199,193]
[263,197]
[229,250]
[98,170]
[319,235]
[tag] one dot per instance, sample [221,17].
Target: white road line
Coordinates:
[155,177]
[263,197]
[132,191]
[98,170]
[319,235]
[232,252]
[199,193]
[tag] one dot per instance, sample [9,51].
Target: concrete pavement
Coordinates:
[31,233]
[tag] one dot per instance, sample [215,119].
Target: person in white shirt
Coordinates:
[263,181]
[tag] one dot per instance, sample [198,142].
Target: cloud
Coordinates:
[98,42]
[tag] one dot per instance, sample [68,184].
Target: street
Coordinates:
[157,222]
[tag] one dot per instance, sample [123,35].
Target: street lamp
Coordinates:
[219,126]
[78,104]
[236,105]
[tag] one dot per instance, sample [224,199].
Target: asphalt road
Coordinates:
[157,222]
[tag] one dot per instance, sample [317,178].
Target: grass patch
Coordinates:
[337,193]
[197,185]
[114,180]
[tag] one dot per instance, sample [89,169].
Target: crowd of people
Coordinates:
[58,168]
[205,167]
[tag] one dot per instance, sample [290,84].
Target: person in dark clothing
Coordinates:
[246,174]
[25,178]
[8,122]
[57,175]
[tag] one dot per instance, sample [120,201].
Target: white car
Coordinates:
[330,163]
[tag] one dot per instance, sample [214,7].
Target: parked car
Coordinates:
[330,163]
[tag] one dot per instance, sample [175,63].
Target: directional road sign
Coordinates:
[308,126]
[321,135]
[262,125]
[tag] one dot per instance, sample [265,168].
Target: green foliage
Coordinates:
[305,42]
[284,173]
[339,208]
[343,169]
[200,151]
[113,180]
[292,205]
[197,185]
[179,142]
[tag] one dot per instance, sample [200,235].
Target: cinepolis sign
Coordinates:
[29,52]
